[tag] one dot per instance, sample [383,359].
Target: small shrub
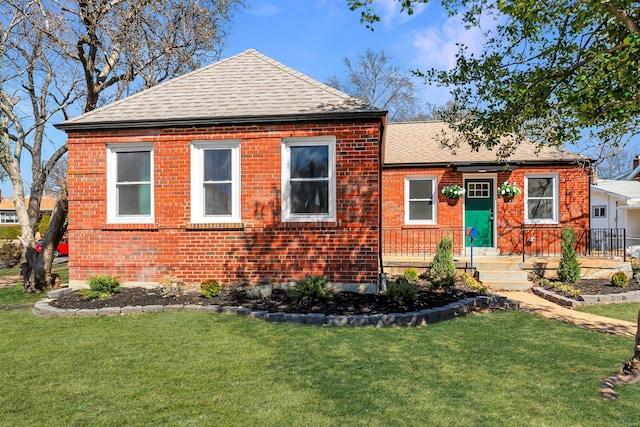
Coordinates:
[10,232]
[210,288]
[102,286]
[569,267]
[402,292]
[260,292]
[443,269]
[474,284]
[10,254]
[310,288]
[411,274]
[620,280]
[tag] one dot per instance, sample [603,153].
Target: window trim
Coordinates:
[197,181]
[555,177]
[112,174]
[434,200]
[595,207]
[287,143]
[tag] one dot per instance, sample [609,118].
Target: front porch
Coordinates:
[507,272]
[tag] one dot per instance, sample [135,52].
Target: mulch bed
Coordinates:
[339,303]
[597,287]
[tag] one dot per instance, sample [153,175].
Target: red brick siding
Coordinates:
[574,210]
[345,251]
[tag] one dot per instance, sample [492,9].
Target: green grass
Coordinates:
[14,295]
[188,368]
[624,311]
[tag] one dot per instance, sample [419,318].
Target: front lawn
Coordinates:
[13,294]
[190,368]
[624,311]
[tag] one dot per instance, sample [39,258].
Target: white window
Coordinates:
[130,183]
[420,200]
[599,211]
[541,199]
[8,218]
[308,179]
[215,181]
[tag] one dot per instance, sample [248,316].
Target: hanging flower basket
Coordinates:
[452,193]
[508,191]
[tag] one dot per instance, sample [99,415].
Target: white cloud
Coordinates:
[437,46]
[264,10]
[391,14]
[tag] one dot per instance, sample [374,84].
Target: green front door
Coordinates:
[478,210]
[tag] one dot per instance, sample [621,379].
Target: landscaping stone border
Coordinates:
[631,296]
[417,318]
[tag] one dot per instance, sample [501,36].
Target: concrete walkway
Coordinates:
[534,304]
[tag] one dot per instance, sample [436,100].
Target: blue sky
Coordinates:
[314,36]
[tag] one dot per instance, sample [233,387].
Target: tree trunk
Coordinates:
[36,271]
[637,348]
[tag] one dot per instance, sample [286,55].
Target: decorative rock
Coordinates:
[87,312]
[314,319]
[129,309]
[110,311]
[152,308]
[259,314]
[333,320]
[243,311]
[173,307]
[294,318]
[274,317]
[357,320]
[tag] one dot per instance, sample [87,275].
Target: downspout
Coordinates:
[383,275]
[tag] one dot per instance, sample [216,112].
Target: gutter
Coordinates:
[324,117]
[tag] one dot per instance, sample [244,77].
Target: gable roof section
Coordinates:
[418,143]
[629,190]
[46,203]
[246,88]
[629,175]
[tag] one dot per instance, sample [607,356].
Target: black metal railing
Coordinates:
[595,242]
[418,242]
[542,241]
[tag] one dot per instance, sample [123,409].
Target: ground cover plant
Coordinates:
[622,311]
[189,368]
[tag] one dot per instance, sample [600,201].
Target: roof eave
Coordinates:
[333,116]
[511,163]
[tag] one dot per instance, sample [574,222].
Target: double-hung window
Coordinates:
[308,179]
[419,200]
[541,199]
[130,183]
[215,181]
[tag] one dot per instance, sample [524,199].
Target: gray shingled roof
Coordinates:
[248,87]
[625,189]
[420,143]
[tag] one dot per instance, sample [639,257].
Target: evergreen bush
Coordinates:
[620,280]
[569,267]
[443,269]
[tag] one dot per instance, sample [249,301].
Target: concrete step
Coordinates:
[508,285]
[501,275]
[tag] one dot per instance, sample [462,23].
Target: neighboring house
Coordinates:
[633,174]
[616,204]
[244,170]
[8,214]
[554,185]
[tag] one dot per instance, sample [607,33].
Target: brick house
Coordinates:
[239,171]
[554,186]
